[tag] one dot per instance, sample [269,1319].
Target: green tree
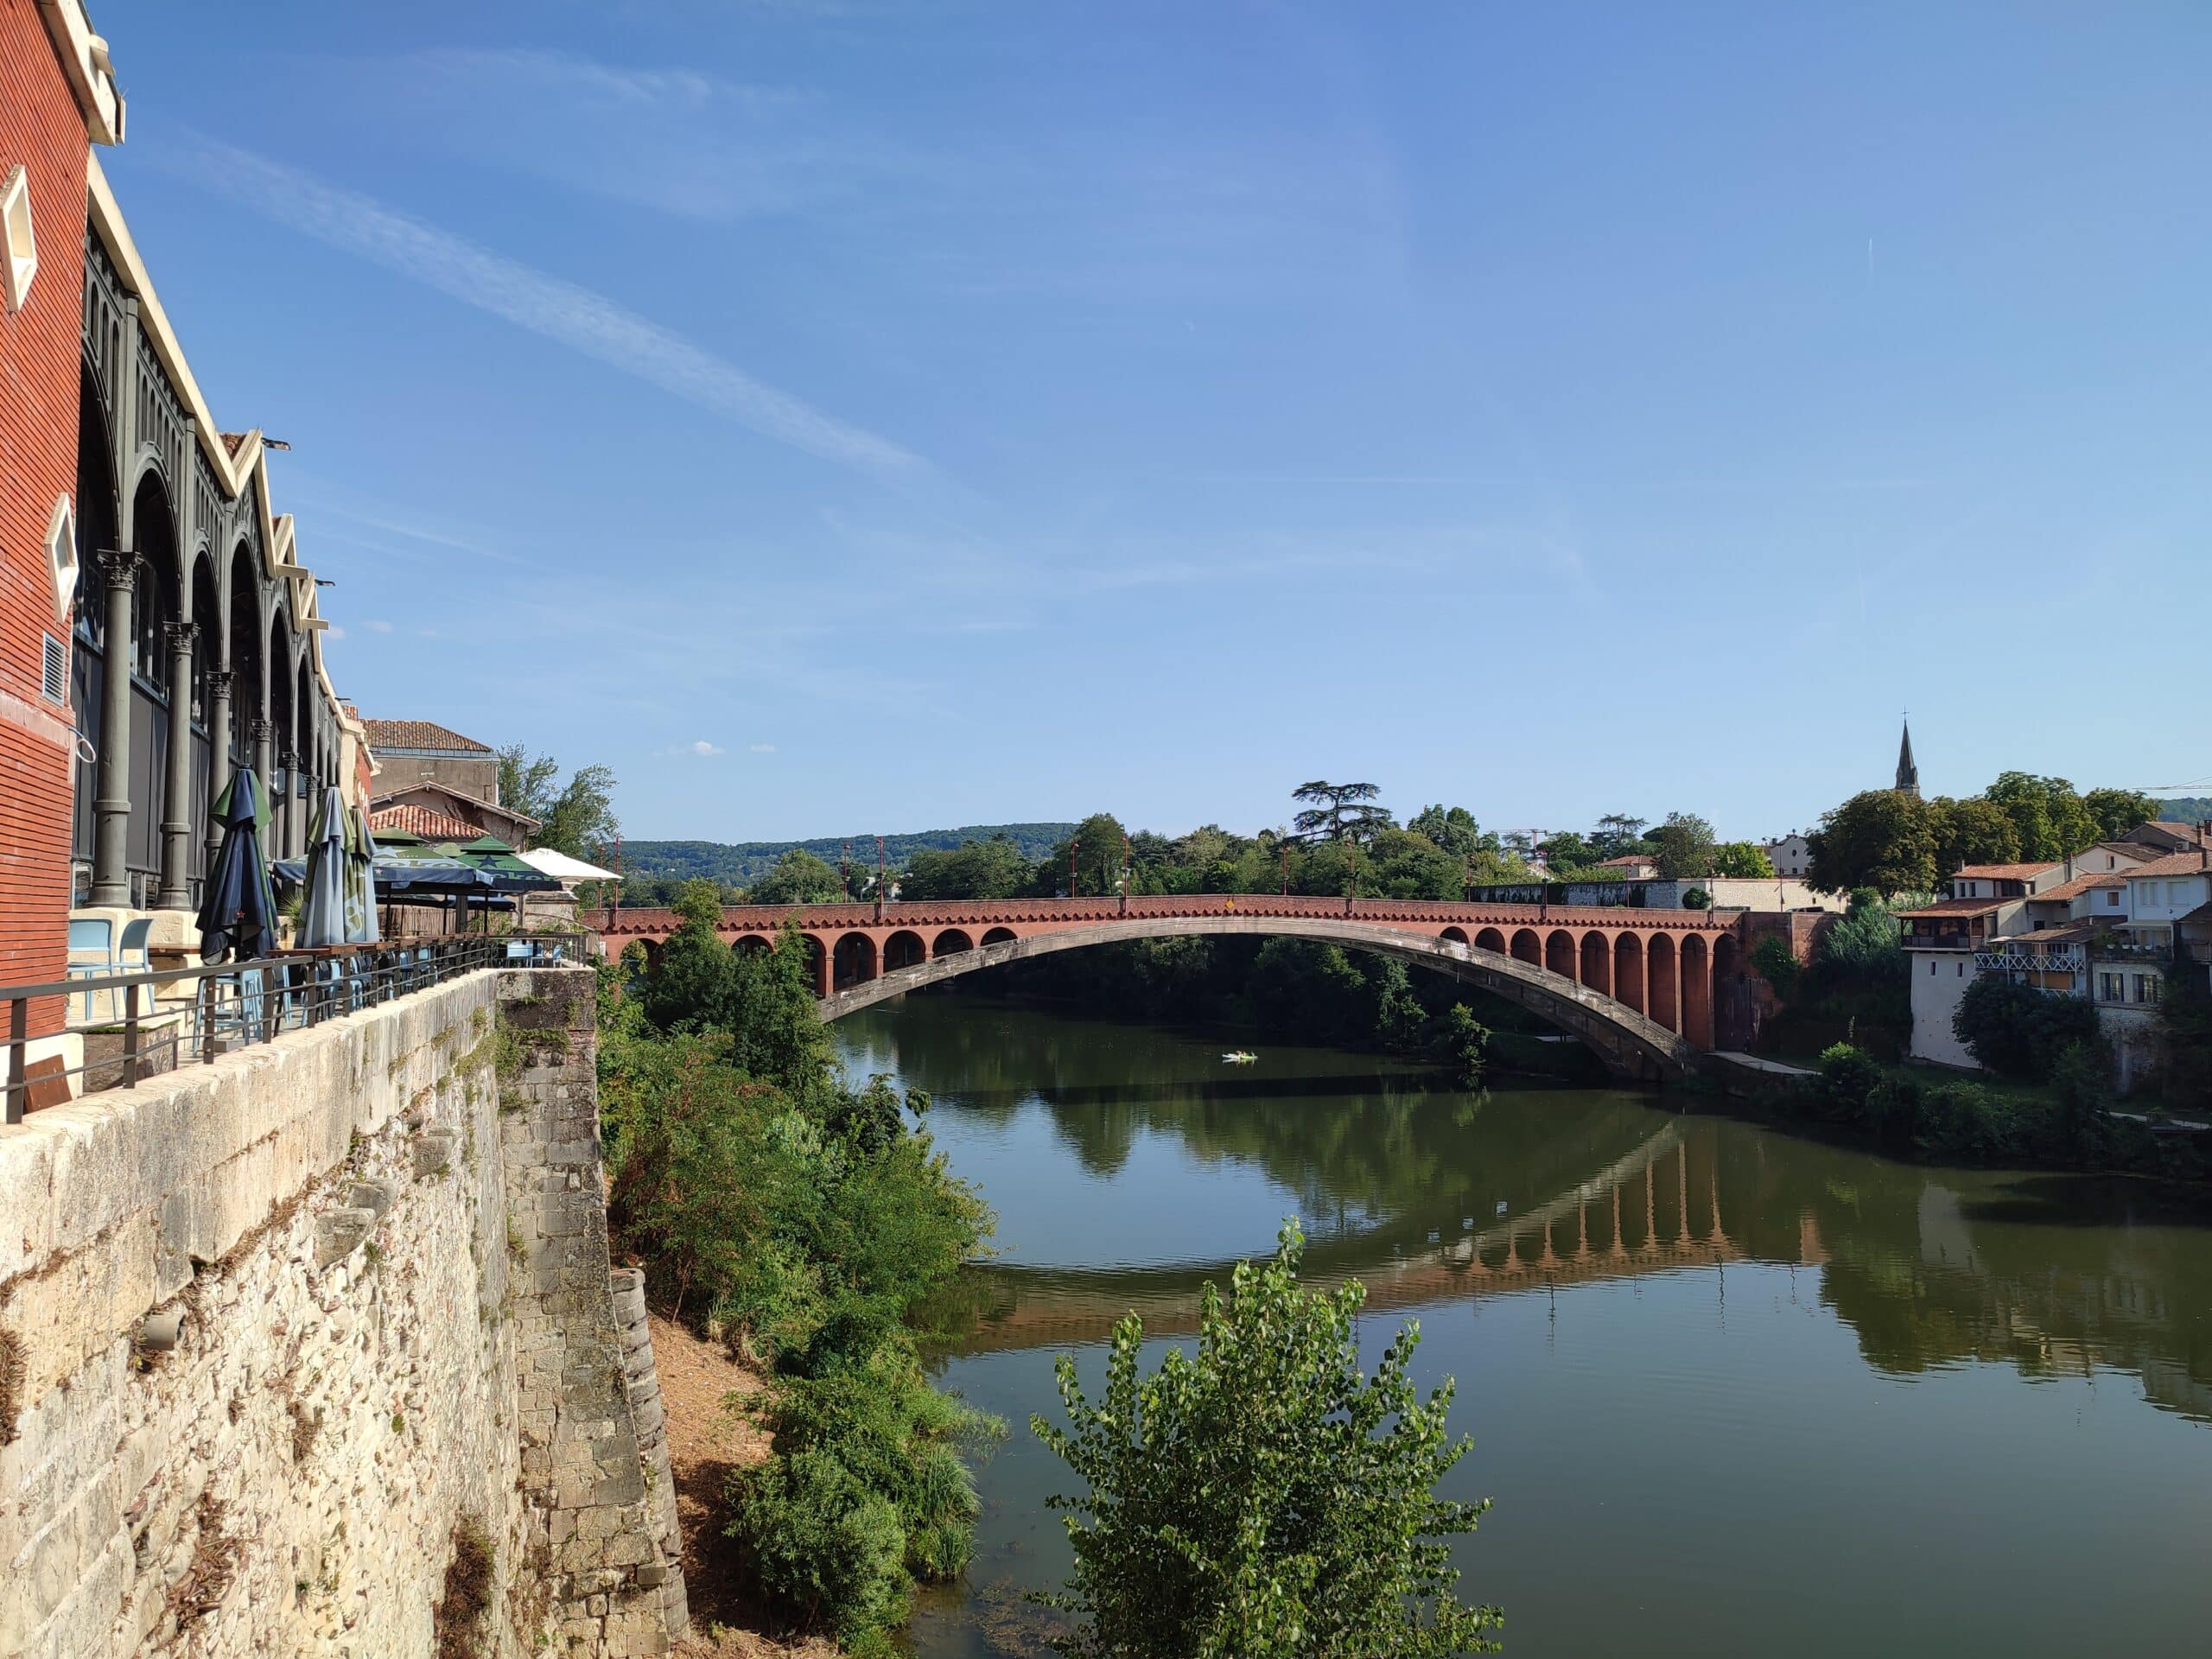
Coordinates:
[1400,864]
[576,817]
[1098,844]
[1453,829]
[798,878]
[1683,846]
[2018,1031]
[1618,834]
[2116,811]
[1972,831]
[1880,838]
[2052,820]
[1742,859]
[974,869]
[1777,965]
[1264,1496]
[1568,853]
[1333,811]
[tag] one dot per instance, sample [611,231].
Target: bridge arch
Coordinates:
[904,950]
[1490,939]
[1458,934]
[1527,947]
[1660,982]
[1558,952]
[1627,1041]
[999,936]
[1627,971]
[951,943]
[1597,970]
[852,960]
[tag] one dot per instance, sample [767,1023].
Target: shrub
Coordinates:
[1264,1496]
[2018,1031]
[1697,899]
[1848,1076]
[457,1621]
[1777,965]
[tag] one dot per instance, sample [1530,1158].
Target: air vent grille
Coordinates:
[54,672]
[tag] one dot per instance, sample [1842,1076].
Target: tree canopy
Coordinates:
[576,817]
[799,878]
[1336,811]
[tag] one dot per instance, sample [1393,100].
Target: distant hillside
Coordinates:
[745,862]
[2190,809]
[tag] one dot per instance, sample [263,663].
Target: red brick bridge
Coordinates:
[1646,989]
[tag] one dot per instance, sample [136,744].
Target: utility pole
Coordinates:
[1286,866]
[1351,881]
[879,884]
[1125,875]
[1074,842]
[845,871]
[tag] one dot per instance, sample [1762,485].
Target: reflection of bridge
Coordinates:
[1647,1212]
[1640,987]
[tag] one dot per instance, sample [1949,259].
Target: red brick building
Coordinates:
[57,98]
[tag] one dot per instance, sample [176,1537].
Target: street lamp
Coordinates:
[1074,842]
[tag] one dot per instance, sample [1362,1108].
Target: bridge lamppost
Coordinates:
[881,886]
[1074,842]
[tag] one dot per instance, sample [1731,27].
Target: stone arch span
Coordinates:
[1628,1042]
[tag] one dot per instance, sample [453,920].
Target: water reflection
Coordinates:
[1429,1195]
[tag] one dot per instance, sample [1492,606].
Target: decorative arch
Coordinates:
[904,950]
[1527,947]
[852,960]
[1490,939]
[1627,971]
[951,942]
[1560,952]
[1458,933]
[1596,969]
[998,935]
[1660,981]
[1693,967]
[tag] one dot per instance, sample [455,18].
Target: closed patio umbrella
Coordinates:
[238,915]
[360,879]
[322,918]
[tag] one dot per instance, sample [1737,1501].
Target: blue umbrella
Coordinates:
[238,915]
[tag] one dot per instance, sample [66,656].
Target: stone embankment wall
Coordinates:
[278,1333]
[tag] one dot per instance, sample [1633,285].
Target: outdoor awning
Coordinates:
[563,868]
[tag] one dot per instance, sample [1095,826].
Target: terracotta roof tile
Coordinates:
[2171,864]
[419,735]
[1958,907]
[2078,886]
[2006,872]
[422,820]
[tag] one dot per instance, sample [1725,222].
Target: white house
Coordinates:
[1792,855]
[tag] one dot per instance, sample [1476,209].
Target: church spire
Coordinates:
[1907,774]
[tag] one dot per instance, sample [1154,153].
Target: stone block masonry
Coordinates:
[273,1330]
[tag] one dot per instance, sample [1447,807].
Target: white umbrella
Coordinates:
[563,868]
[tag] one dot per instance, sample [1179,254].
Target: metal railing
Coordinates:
[161,1019]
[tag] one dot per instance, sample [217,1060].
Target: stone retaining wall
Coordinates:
[273,1331]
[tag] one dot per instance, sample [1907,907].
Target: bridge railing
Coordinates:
[952,913]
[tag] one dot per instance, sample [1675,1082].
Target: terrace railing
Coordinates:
[160,1020]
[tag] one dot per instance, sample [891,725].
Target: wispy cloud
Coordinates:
[577,317]
[377,628]
[764,748]
[701,749]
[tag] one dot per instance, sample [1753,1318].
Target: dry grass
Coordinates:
[214,1563]
[459,1617]
[707,1441]
[11,1382]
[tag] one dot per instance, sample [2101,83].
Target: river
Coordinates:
[1733,1392]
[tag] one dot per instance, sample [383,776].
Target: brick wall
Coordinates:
[41,130]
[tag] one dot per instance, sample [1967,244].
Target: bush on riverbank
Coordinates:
[1943,1118]
[806,1220]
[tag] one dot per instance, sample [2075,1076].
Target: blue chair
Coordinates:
[86,935]
[130,957]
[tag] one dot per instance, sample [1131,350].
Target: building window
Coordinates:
[1962,970]
[61,556]
[2108,988]
[23,248]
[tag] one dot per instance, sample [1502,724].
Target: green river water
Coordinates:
[1733,1392]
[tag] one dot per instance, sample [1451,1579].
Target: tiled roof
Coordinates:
[2006,872]
[419,735]
[1958,907]
[2201,915]
[2078,886]
[2135,851]
[1627,861]
[2072,933]
[2171,864]
[424,820]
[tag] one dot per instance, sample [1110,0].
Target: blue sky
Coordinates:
[851,416]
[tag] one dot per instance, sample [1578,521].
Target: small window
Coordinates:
[61,562]
[54,672]
[1962,970]
[23,248]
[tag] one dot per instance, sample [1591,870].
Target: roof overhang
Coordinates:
[85,65]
